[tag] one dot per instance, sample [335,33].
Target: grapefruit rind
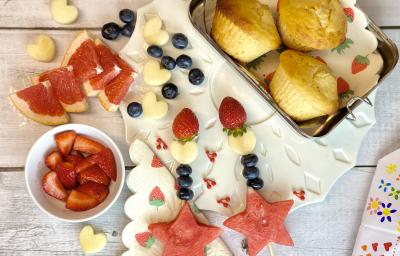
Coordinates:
[107,105]
[24,108]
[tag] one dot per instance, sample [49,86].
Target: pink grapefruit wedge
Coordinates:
[83,57]
[39,103]
[66,88]
[115,91]
[108,62]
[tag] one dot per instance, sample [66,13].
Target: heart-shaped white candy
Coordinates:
[153,32]
[184,153]
[152,108]
[154,75]
[243,145]
[43,49]
[91,242]
[62,12]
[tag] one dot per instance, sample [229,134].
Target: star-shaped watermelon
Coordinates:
[184,236]
[262,222]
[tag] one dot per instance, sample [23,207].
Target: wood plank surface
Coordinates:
[325,229]
[94,13]
[18,134]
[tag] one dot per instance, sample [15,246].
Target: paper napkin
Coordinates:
[379,233]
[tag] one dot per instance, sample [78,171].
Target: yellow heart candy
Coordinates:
[152,108]
[153,32]
[90,242]
[184,153]
[43,49]
[62,12]
[154,75]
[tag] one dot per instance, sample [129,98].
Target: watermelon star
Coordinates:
[184,236]
[262,222]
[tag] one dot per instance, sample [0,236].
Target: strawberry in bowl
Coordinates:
[74,172]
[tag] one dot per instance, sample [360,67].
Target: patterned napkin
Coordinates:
[379,233]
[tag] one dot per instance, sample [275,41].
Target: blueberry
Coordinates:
[169,91]
[127,30]
[127,16]
[185,181]
[168,62]
[180,41]
[110,31]
[185,194]
[184,61]
[135,109]
[249,160]
[184,170]
[196,76]
[251,172]
[256,183]
[155,51]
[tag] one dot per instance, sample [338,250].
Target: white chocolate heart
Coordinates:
[154,75]
[91,242]
[243,145]
[62,12]
[152,108]
[43,49]
[184,153]
[153,32]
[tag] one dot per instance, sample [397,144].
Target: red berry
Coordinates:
[185,125]
[232,114]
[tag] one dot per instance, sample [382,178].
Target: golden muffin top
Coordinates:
[319,23]
[250,15]
[309,75]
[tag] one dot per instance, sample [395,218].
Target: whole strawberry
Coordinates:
[186,125]
[232,116]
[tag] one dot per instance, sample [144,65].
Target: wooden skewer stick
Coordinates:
[271,251]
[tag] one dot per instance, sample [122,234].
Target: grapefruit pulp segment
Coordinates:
[108,62]
[83,57]
[115,91]
[66,88]
[39,103]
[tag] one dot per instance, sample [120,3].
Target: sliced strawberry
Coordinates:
[185,125]
[105,160]
[66,174]
[85,163]
[75,158]
[53,159]
[94,174]
[65,141]
[232,114]
[79,201]
[86,145]
[94,190]
[53,187]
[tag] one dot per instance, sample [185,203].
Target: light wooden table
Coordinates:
[323,229]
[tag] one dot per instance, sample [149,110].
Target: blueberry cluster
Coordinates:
[179,41]
[251,172]
[184,182]
[112,30]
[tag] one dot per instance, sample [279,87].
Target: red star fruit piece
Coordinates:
[262,222]
[184,236]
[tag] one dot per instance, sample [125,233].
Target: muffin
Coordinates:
[245,29]
[304,87]
[307,25]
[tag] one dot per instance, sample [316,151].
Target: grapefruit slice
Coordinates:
[114,92]
[108,62]
[40,104]
[66,88]
[83,57]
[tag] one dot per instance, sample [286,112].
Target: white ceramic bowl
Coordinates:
[35,169]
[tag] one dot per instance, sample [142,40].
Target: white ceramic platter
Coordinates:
[288,162]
